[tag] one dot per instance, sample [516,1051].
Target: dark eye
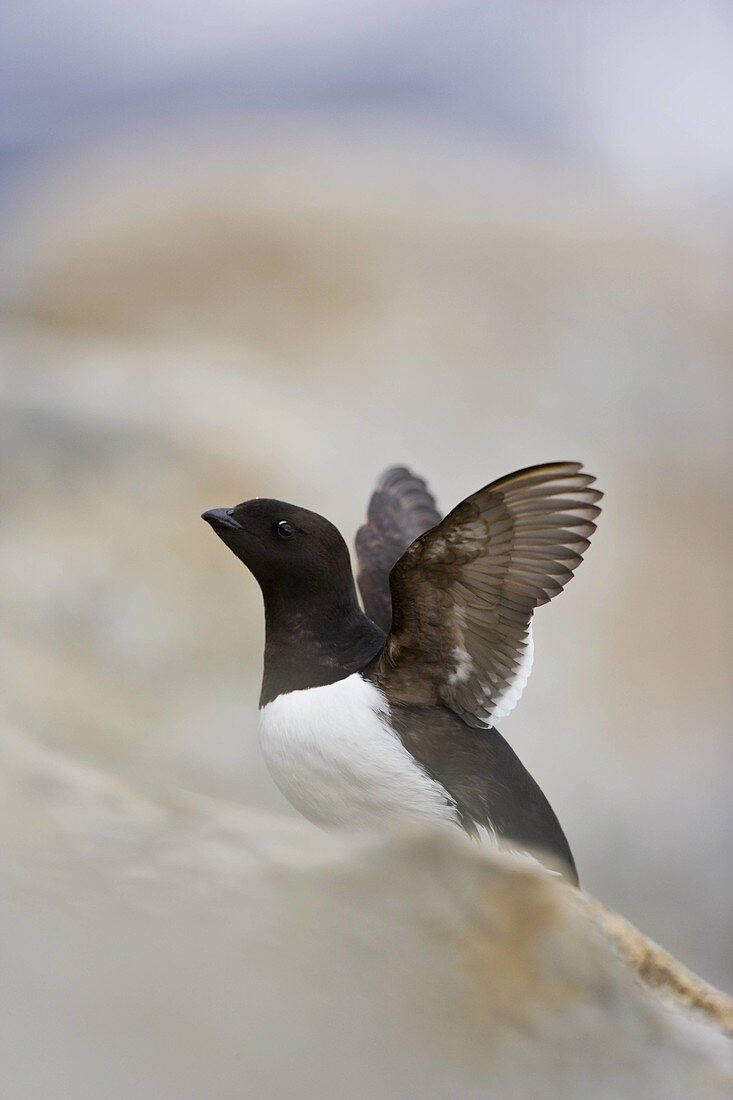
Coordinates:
[285,530]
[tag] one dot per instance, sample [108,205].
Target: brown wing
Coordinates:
[401,509]
[464,593]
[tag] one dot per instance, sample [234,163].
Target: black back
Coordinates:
[490,785]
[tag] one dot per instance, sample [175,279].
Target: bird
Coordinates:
[375,716]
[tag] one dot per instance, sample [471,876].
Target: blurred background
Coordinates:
[271,248]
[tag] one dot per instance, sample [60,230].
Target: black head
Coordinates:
[315,630]
[289,550]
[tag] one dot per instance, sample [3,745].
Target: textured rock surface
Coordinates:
[190,949]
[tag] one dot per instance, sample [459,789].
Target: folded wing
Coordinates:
[401,509]
[463,594]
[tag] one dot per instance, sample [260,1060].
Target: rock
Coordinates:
[182,948]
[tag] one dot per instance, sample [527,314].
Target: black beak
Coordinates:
[221,519]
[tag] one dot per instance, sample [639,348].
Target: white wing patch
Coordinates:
[512,693]
[464,666]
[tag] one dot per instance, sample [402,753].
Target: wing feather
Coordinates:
[401,509]
[463,593]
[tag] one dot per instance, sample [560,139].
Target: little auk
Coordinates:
[375,716]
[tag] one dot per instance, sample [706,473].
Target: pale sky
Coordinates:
[642,86]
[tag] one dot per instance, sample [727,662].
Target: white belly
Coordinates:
[333,754]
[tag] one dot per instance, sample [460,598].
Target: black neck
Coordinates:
[310,641]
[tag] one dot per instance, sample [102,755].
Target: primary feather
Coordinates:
[400,510]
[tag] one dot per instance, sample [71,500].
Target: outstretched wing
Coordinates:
[401,508]
[463,594]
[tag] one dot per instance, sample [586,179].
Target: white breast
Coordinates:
[334,755]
